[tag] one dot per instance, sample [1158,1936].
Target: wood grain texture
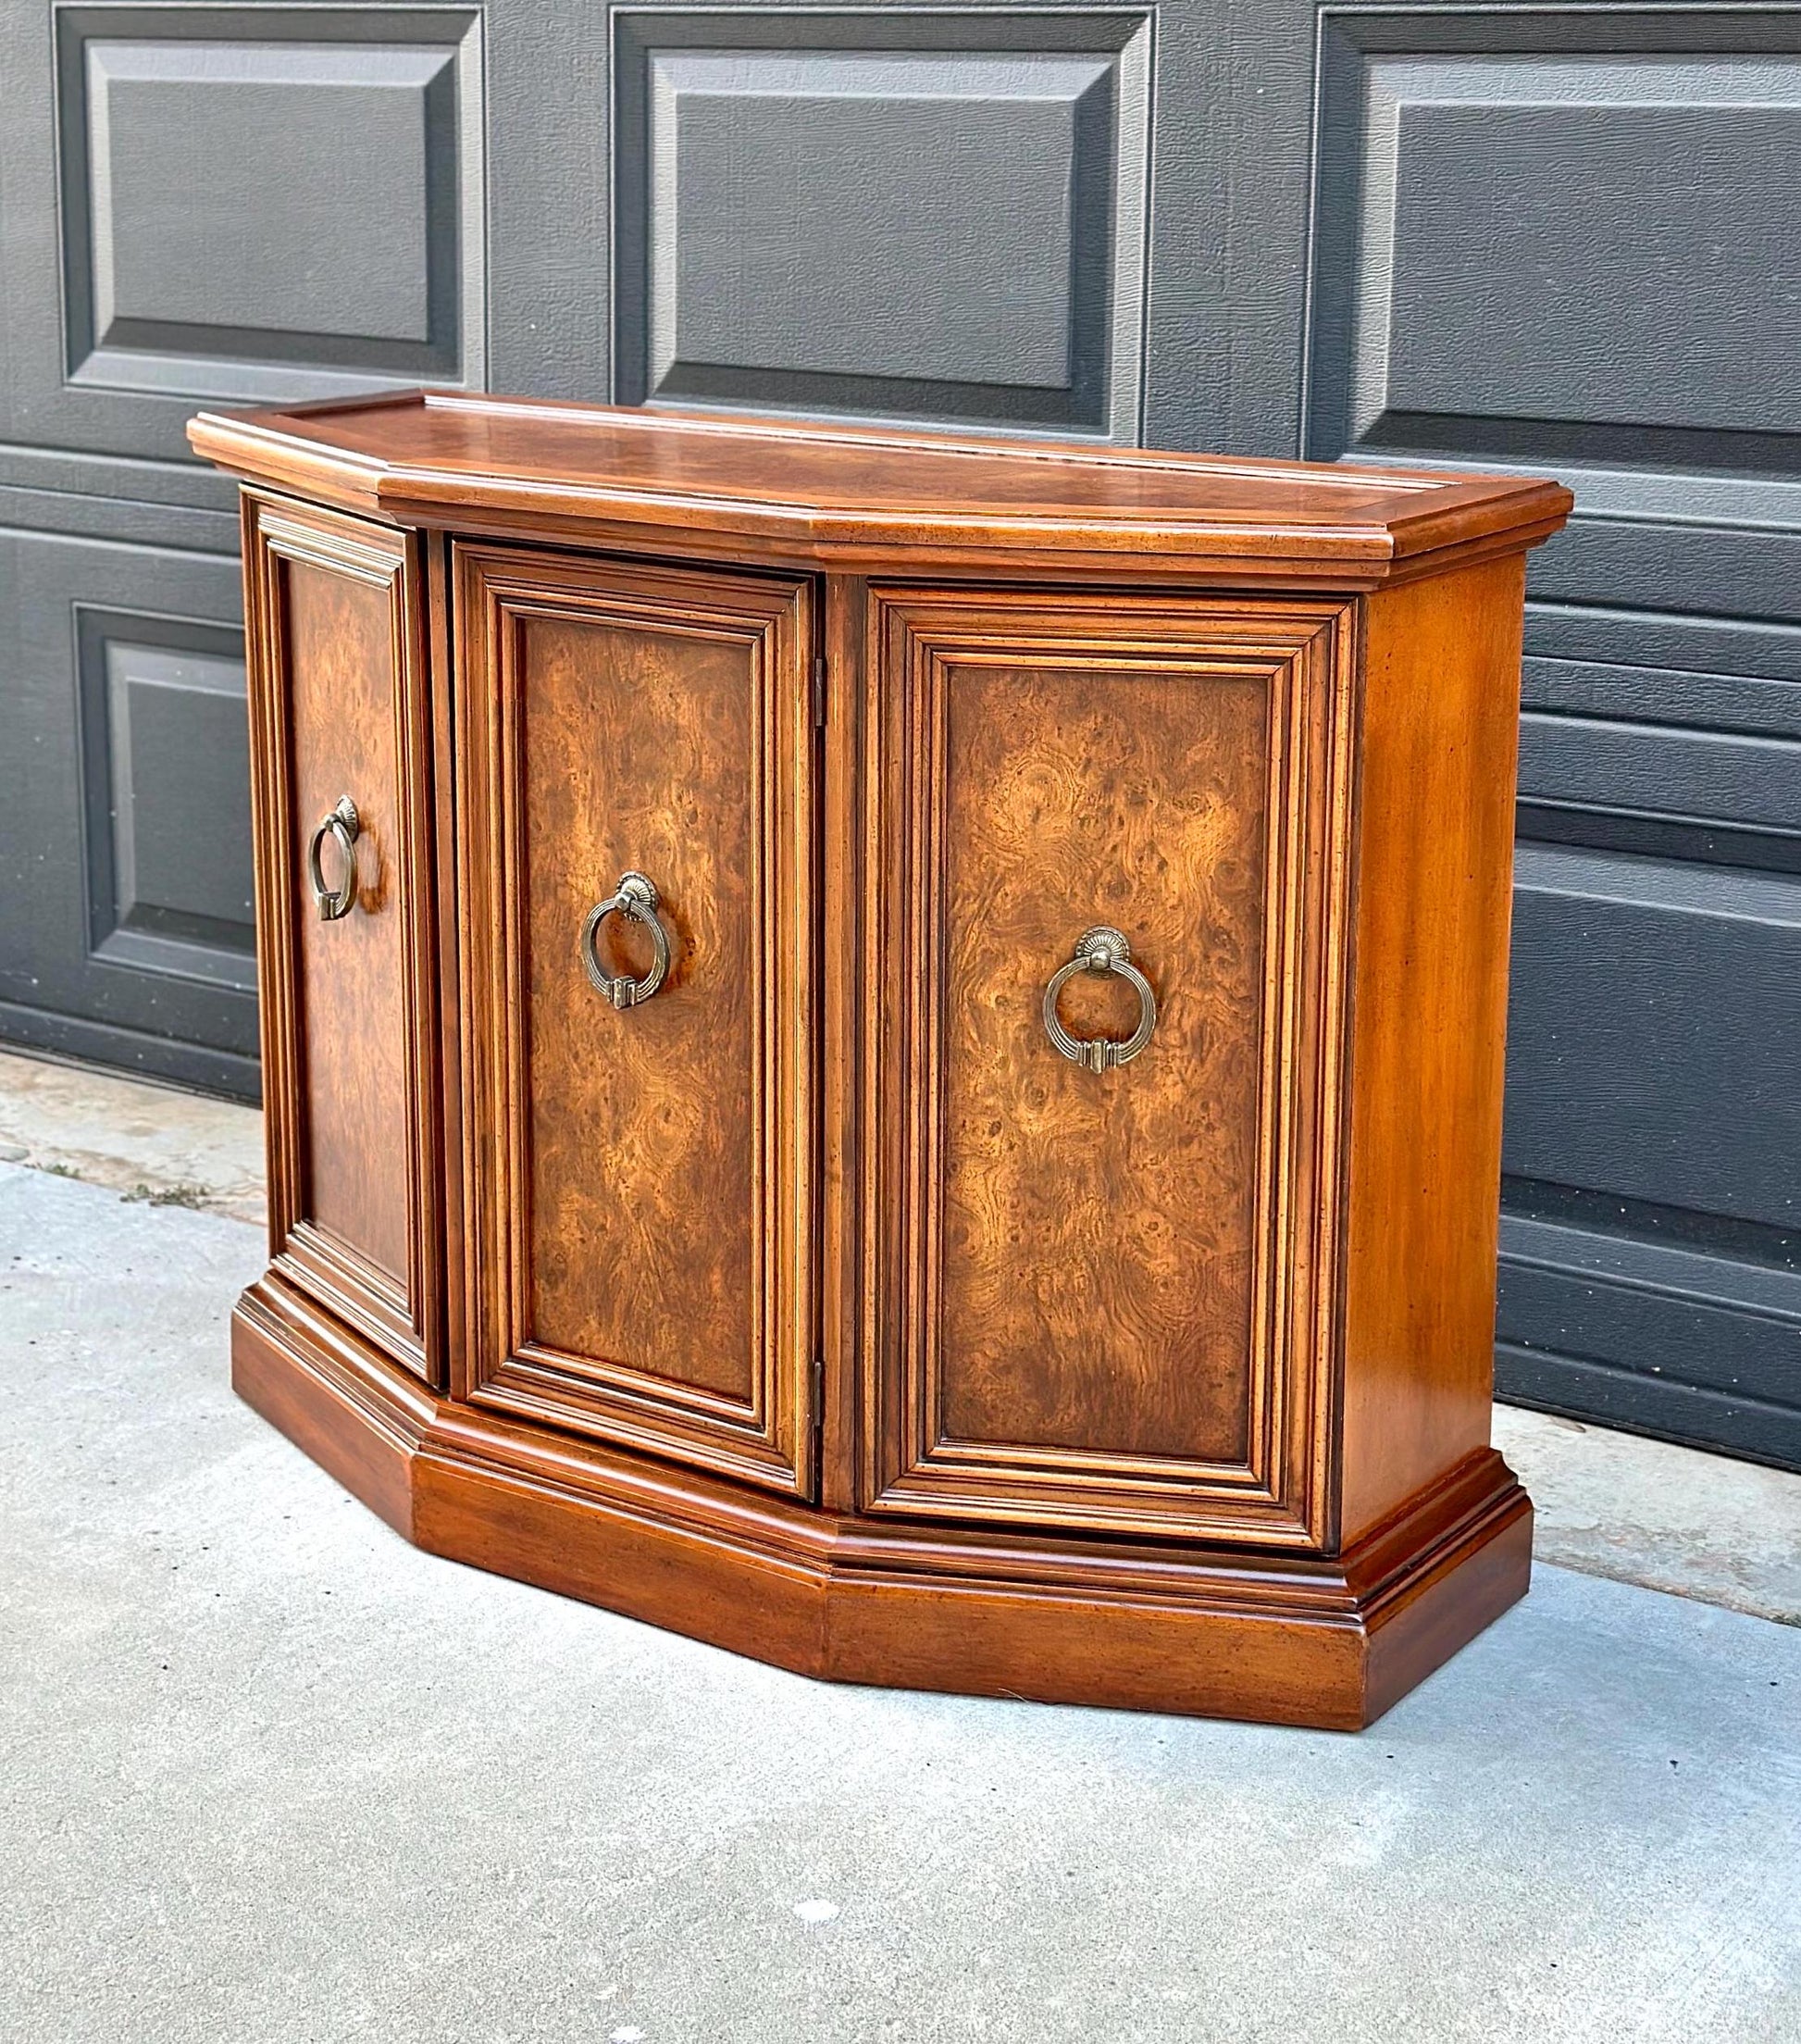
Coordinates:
[842,1243]
[1099,1229]
[875,499]
[308,1376]
[1292,1640]
[645,1259]
[338,692]
[641,751]
[352,972]
[449,1362]
[1094,1299]
[1163,1388]
[1434,894]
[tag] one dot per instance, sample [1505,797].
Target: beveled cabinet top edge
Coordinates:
[849,496]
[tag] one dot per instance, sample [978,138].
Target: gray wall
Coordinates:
[1559,239]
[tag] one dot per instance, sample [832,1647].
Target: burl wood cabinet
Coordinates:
[887,1051]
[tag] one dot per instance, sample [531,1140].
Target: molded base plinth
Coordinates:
[1283,1639]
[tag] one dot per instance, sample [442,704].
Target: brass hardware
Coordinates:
[346,826]
[636,899]
[1100,950]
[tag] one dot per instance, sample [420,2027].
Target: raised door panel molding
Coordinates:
[909,215]
[336,631]
[122,840]
[272,203]
[1565,238]
[1103,1299]
[164,762]
[640,1242]
[1558,238]
[1538,249]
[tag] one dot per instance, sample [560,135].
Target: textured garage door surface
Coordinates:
[1558,239]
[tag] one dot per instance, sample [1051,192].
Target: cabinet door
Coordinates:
[642,1160]
[340,788]
[1103,1297]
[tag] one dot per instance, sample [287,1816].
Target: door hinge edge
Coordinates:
[819,693]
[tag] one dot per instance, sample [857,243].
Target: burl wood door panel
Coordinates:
[643,1175]
[1102,1298]
[349,1061]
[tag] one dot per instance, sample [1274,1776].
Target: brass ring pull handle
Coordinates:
[1100,950]
[346,826]
[636,899]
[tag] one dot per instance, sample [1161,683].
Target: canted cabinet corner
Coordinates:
[887,1051]
[340,807]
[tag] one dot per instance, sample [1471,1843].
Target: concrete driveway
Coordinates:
[269,1774]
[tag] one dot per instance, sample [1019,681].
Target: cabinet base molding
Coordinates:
[1330,1643]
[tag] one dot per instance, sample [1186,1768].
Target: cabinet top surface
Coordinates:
[856,497]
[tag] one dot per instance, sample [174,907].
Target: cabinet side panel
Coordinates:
[349,1053]
[1435,876]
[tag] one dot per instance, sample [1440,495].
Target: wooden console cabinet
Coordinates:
[888,1050]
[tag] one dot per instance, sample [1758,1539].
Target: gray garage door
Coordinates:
[1566,239]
